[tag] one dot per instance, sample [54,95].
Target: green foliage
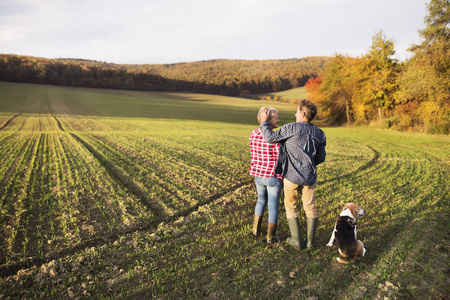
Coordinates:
[378,89]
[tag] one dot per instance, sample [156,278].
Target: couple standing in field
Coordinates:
[287,157]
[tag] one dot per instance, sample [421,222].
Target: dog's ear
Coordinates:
[353,208]
[346,206]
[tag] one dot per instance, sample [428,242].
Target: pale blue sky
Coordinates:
[170,31]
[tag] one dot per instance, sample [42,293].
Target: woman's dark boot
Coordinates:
[272,236]
[257,225]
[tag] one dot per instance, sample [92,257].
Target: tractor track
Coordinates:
[7,122]
[36,261]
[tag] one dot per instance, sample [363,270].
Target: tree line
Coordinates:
[222,77]
[376,88]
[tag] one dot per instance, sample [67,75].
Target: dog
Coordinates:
[345,233]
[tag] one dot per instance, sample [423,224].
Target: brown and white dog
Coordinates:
[345,233]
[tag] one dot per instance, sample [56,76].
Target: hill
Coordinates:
[221,77]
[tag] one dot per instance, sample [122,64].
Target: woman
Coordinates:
[264,158]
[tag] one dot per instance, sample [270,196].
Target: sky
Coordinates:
[173,31]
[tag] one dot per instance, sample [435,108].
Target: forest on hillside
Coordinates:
[222,77]
[377,89]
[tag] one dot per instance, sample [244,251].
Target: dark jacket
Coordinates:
[302,148]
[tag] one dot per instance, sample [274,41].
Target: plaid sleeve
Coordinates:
[263,156]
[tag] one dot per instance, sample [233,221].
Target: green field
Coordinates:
[121,194]
[296,93]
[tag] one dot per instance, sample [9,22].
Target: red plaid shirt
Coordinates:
[263,156]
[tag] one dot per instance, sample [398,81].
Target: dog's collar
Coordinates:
[348,219]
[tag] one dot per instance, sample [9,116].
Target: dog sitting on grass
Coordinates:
[345,233]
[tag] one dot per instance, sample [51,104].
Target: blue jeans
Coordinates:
[269,190]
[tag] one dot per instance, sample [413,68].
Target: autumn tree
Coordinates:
[339,86]
[312,88]
[425,80]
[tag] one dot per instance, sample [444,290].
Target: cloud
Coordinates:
[154,31]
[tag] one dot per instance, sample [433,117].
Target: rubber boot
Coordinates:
[272,236]
[311,226]
[295,240]
[257,225]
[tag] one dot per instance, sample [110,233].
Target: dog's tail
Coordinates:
[345,261]
[349,255]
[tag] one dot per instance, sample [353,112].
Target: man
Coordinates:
[302,148]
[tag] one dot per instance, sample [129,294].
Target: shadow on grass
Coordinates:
[46,99]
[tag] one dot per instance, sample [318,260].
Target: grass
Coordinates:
[120,194]
[296,93]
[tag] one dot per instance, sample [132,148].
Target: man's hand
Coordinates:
[264,115]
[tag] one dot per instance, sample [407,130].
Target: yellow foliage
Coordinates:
[429,108]
[360,111]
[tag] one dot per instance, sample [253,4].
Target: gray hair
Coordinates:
[271,110]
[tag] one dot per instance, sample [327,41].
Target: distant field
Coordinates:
[297,93]
[121,194]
